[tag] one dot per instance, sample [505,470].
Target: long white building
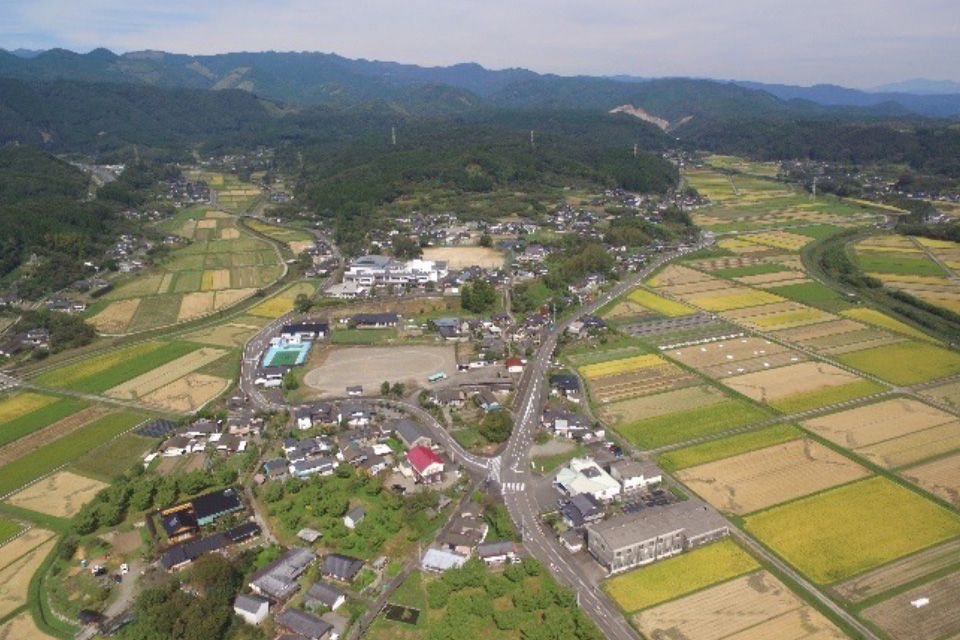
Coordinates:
[378,270]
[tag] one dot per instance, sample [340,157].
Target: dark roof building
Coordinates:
[211,506]
[307,625]
[325,594]
[341,567]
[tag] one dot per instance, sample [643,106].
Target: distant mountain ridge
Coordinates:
[314,78]
[920,87]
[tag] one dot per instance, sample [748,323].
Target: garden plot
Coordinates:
[759,479]
[938,618]
[753,607]
[774,385]
[844,531]
[660,404]
[901,572]
[60,495]
[15,577]
[166,374]
[877,422]
[188,393]
[940,477]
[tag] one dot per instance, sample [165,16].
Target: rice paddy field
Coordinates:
[723,448]
[680,575]
[232,193]
[685,425]
[905,363]
[282,302]
[889,577]
[659,305]
[940,618]
[834,535]
[624,378]
[25,413]
[296,239]
[220,266]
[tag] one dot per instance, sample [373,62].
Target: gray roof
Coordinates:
[278,579]
[325,594]
[409,431]
[341,567]
[494,549]
[628,468]
[692,517]
[249,603]
[357,513]
[303,623]
[442,560]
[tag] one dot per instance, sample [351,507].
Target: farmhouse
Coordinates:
[584,475]
[375,320]
[305,331]
[646,536]
[427,465]
[278,580]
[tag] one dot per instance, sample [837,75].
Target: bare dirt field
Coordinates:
[914,447]
[874,423]
[370,366]
[22,627]
[187,393]
[195,305]
[901,572]
[207,224]
[675,274]
[233,334]
[299,246]
[941,478]
[752,607]
[760,479]
[230,297]
[15,577]
[463,257]
[940,618]
[181,464]
[61,494]
[229,234]
[123,543]
[733,357]
[55,431]
[168,373]
[661,404]
[116,316]
[774,384]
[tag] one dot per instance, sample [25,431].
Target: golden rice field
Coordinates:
[882,320]
[22,404]
[624,365]
[282,303]
[737,301]
[659,304]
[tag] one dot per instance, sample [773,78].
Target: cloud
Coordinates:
[855,42]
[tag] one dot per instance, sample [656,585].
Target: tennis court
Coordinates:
[286,354]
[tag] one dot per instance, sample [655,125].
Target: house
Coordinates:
[305,624]
[646,536]
[357,413]
[410,433]
[215,504]
[566,424]
[183,554]
[582,509]
[440,560]
[314,466]
[487,401]
[514,365]
[341,567]
[427,465]
[448,398]
[326,595]
[465,533]
[354,516]
[345,290]
[584,475]
[253,609]
[175,446]
[635,476]
[309,535]
[320,413]
[278,580]
[374,464]
[497,553]
[375,320]
[572,540]
[179,523]
[567,385]
[305,331]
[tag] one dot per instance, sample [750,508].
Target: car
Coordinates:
[124,569]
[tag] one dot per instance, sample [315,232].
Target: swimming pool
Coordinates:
[286,355]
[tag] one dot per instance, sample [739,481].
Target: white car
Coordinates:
[124,569]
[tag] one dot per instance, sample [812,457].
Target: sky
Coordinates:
[857,43]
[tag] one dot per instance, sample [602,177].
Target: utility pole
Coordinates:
[634,149]
[531,138]
[393,135]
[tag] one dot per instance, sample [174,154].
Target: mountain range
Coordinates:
[328,79]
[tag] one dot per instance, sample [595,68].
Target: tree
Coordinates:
[398,389]
[302,303]
[486,240]
[384,388]
[86,521]
[497,426]
[290,382]
[216,576]
[406,248]
[478,296]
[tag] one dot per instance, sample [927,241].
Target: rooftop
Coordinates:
[692,516]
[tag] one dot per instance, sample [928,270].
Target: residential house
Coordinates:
[325,594]
[498,553]
[448,397]
[582,509]
[215,504]
[487,401]
[253,609]
[278,580]
[566,424]
[276,469]
[357,413]
[514,365]
[634,475]
[375,320]
[354,516]
[313,466]
[465,533]
[427,465]
[340,567]
[410,433]
[584,475]
[567,385]
[306,625]
[441,560]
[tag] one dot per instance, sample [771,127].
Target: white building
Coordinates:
[584,475]
[383,270]
[253,609]
[635,476]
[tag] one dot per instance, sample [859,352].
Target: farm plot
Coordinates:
[116,316]
[813,332]
[15,575]
[940,618]
[282,302]
[22,627]
[60,495]
[914,447]
[732,357]
[777,240]
[724,268]
[740,299]
[752,481]
[948,394]
[776,280]
[727,447]
[683,426]
[940,477]
[369,366]
[464,257]
[898,263]
[905,363]
[877,422]
[659,304]
[161,376]
[752,607]
[627,311]
[780,385]
[778,316]
[24,413]
[194,305]
[680,575]
[674,275]
[901,572]
[877,319]
[622,365]
[188,393]
[837,534]
[639,381]
[231,334]
[104,372]
[50,432]
[660,404]
[852,341]
[68,448]
[113,458]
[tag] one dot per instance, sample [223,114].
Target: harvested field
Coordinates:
[85,375]
[231,297]
[905,363]
[60,495]
[39,439]
[786,319]
[21,545]
[22,627]
[638,382]
[778,240]
[767,280]
[626,310]
[232,334]
[690,424]
[464,257]
[680,575]
[852,341]
[116,316]
[15,577]
[660,404]
[705,452]
[940,477]
[752,607]
[877,319]
[821,330]
[948,394]
[713,286]
[623,365]
[206,224]
[164,375]
[837,534]
[874,423]
[229,234]
[187,393]
[674,275]
[659,304]
[733,357]
[215,280]
[914,447]
[369,366]
[759,479]
[938,619]
[141,285]
[900,572]
[776,384]
[195,305]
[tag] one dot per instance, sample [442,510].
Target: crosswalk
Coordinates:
[513,487]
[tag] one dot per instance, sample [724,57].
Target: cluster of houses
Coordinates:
[186,193]
[25,341]
[464,537]
[225,437]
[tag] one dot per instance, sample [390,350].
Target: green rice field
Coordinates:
[687,425]
[104,372]
[905,363]
[728,447]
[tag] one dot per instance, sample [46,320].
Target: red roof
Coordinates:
[421,458]
[514,362]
